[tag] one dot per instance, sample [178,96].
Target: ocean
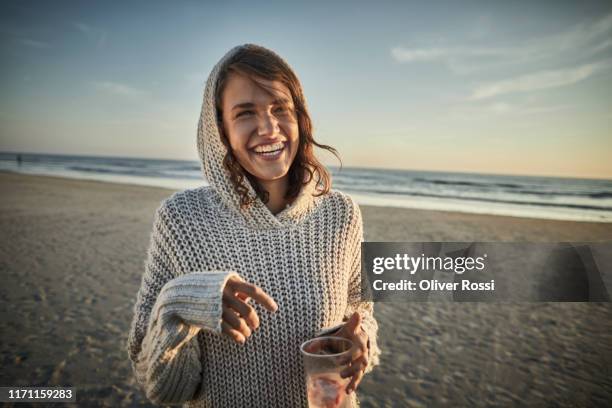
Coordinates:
[520,196]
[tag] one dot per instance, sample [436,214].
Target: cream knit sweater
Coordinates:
[307,258]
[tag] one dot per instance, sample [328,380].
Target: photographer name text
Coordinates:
[413,264]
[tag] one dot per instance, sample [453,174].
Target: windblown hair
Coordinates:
[258,63]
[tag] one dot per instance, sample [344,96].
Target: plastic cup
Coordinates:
[322,366]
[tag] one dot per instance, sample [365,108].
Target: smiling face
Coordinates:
[261,126]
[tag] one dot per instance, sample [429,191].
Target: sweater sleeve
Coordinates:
[355,300]
[170,310]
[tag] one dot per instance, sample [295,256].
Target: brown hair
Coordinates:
[256,62]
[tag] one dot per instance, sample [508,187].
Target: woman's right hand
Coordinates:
[239,319]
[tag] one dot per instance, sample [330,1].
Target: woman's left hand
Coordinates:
[358,358]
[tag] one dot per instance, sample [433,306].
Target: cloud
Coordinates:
[434,54]
[82,27]
[116,88]
[539,80]
[503,109]
[99,36]
[34,43]
[586,39]
[582,42]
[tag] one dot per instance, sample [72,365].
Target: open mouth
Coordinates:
[272,154]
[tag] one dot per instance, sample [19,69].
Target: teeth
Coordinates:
[269,148]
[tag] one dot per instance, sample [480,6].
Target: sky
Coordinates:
[489,87]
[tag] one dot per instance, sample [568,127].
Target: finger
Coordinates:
[236,322]
[362,341]
[356,352]
[231,282]
[353,325]
[356,366]
[354,382]
[245,311]
[230,288]
[243,297]
[257,294]
[360,347]
[233,333]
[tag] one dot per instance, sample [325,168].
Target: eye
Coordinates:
[282,109]
[244,113]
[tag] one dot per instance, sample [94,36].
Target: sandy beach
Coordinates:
[72,255]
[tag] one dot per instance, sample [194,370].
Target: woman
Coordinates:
[240,273]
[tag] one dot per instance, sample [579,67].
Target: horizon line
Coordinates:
[364,167]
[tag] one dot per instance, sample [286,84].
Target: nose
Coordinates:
[267,125]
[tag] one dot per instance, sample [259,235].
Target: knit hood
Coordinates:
[212,150]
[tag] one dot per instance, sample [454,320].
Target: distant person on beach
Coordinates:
[240,273]
[19,160]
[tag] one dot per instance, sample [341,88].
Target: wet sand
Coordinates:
[72,253]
